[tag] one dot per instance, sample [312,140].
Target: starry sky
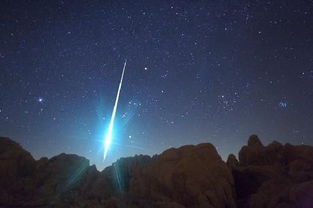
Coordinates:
[197,71]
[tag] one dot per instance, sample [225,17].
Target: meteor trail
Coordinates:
[108,137]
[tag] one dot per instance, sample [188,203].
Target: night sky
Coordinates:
[197,71]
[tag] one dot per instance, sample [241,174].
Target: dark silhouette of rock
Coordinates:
[57,182]
[17,168]
[190,176]
[255,142]
[232,161]
[194,176]
[274,176]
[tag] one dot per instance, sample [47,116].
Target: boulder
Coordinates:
[190,176]
[17,170]
[273,175]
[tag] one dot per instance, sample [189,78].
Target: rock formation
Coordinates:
[191,176]
[273,176]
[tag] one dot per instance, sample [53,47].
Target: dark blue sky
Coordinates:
[197,71]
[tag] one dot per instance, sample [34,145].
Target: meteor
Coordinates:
[109,135]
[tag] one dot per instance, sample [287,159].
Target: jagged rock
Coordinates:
[124,169]
[249,155]
[75,183]
[15,161]
[271,176]
[17,168]
[191,176]
[255,142]
[232,161]
[58,175]
[184,177]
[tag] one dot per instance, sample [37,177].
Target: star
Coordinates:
[190,71]
[40,100]
[282,104]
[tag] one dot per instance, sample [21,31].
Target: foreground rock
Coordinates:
[273,176]
[17,168]
[191,176]
[62,181]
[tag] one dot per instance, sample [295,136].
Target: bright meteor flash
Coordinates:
[108,137]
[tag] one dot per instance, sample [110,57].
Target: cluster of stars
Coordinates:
[197,72]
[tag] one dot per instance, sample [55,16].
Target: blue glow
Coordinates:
[109,136]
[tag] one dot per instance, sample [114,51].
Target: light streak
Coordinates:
[109,135]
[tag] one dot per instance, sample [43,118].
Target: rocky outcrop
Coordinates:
[62,181]
[17,168]
[232,161]
[192,176]
[274,176]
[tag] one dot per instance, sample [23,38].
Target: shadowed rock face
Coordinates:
[190,176]
[16,169]
[275,175]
